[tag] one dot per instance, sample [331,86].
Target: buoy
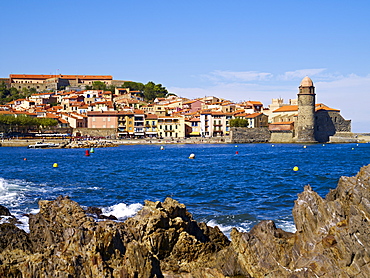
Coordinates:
[323,145]
[192,156]
[55,165]
[295,168]
[87,153]
[92,150]
[162,148]
[353,148]
[272,145]
[304,147]
[236,152]
[24,158]
[357,145]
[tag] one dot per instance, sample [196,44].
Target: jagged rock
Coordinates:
[97,212]
[4,211]
[163,240]
[69,243]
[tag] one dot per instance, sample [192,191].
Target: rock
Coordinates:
[163,240]
[4,211]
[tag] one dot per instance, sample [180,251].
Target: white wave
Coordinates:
[226,229]
[287,226]
[245,227]
[10,193]
[122,211]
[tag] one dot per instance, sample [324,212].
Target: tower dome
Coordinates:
[306,82]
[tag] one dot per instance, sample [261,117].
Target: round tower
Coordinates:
[306,112]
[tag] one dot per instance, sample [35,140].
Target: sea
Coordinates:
[225,185]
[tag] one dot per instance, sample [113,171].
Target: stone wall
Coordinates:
[328,123]
[95,132]
[249,135]
[282,136]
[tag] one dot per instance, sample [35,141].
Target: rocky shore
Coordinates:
[163,240]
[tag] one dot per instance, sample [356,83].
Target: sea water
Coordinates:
[225,185]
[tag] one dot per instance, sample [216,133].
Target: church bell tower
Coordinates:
[306,112]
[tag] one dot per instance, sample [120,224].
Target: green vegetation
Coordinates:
[99,85]
[150,90]
[23,123]
[238,122]
[9,94]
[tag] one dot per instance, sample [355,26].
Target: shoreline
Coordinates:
[26,142]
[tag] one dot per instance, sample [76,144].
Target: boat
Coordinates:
[42,145]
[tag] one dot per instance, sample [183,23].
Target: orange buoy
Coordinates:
[236,152]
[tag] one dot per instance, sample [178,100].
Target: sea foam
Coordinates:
[122,211]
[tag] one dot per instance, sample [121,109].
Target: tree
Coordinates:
[153,91]
[99,85]
[238,122]
[134,86]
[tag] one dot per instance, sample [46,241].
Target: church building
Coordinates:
[306,122]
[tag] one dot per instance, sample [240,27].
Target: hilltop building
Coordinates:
[42,82]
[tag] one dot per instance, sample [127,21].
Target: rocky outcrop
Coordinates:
[89,144]
[163,240]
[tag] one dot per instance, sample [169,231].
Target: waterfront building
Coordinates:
[171,127]
[75,120]
[306,122]
[151,123]
[102,119]
[305,129]
[192,128]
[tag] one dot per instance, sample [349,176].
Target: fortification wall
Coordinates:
[249,135]
[95,132]
[282,137]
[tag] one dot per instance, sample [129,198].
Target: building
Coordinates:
[306,112]
[43,82]
[102,119]
[171,127]
[306,122]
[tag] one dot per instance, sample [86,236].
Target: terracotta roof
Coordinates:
[254,102]
[254,115]
[218,113]
[151,116]
[47,76]
[287,108]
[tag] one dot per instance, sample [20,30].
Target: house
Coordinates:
[102,119]
[171,127]
[151,123]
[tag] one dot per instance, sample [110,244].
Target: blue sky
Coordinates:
[238,50]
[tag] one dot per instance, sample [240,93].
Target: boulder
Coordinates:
[163,240]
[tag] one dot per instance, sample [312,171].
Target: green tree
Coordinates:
[238,122]
[47,122]
[134,86]
[153,91]
[99,85]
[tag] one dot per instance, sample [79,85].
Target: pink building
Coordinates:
[102,119]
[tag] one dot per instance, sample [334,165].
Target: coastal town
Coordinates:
[122,113]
